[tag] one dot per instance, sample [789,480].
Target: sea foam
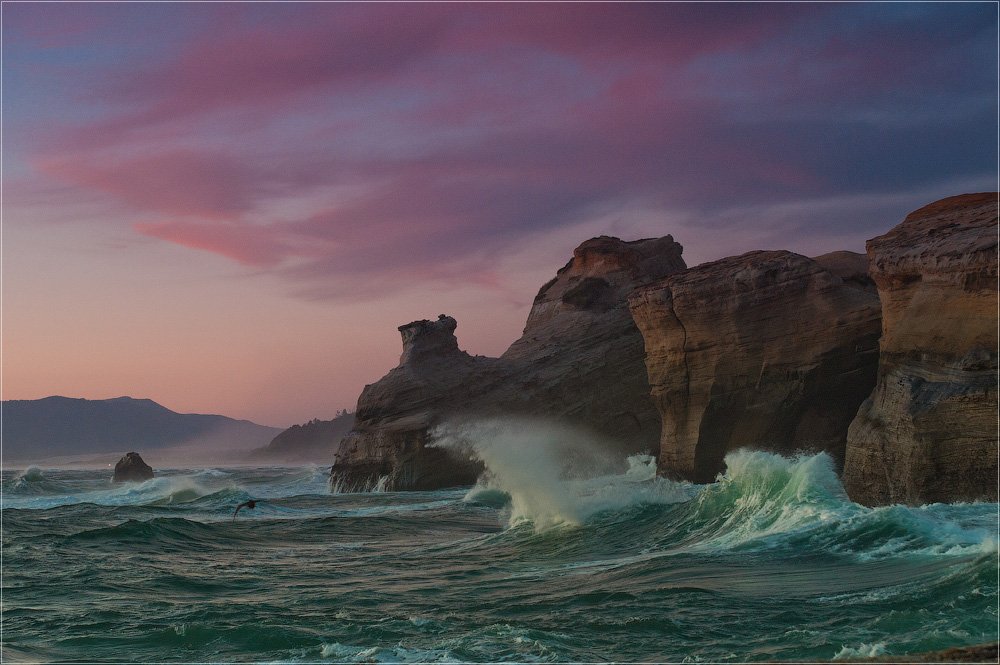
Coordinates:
[554,474]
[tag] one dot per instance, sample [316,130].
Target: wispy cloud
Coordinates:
[376,147]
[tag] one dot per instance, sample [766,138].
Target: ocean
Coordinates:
[772,562]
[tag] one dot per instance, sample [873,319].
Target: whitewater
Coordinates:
[541,561]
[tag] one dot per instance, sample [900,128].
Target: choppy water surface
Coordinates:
[773,562]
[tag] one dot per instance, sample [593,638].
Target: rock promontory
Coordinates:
[434,378]
[314,441]
[767,350]
[131,467]
[928,433]
[579,360]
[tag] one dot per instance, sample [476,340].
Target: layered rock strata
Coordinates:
[929,431]
[767,350]
[579,360]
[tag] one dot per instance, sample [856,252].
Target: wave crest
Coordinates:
[30,475]
[766,501]
[554,474]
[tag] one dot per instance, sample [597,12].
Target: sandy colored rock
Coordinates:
[579,360]
[929,431]
[766,350]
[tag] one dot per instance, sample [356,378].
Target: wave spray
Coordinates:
[554,474]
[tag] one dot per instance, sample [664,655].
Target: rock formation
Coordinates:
[580,359]
[314,441]
[769,350]
[391,423]
[929,431]
[131,467]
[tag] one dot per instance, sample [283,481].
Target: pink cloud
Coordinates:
[178,182]
[265,65]
[261,65]
[245,244]
[322,141]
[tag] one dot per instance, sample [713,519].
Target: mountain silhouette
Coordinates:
[55,426]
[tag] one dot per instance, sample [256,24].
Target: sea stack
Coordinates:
[766,350]
[578,361]
[131,467]
[434,377]
[928,433]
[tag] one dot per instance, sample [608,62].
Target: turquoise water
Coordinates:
[772,562]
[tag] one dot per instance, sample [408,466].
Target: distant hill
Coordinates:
[313,442]
[34,430]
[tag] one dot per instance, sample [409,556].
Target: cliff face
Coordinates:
[579,359]
[929,431]
[768,350]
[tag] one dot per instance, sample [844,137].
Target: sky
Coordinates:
[229,208]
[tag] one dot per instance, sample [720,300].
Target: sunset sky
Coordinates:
[229,208]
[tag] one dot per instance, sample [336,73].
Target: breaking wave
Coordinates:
[560,553]
[554,475]
[765,501]
[549,476]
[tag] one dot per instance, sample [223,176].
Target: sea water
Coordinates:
[534,564]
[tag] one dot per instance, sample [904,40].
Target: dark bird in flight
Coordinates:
[251,504]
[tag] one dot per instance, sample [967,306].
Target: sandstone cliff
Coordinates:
[929,431]
[769,350]
[580,359]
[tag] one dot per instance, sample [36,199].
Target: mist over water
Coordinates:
[559,553]
[553,474]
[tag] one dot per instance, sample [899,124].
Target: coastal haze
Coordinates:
[650,332]
[59,430]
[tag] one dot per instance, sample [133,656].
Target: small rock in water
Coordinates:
[132,467]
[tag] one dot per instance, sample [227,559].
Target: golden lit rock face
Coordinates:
[929,431]
[767,350]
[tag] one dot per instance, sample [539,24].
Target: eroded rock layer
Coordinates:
[767,350]
[929,431]
[580,360]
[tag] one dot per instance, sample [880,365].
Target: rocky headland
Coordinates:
[766,350]
[579,360]
[928,432]
[394,414]
[314,441]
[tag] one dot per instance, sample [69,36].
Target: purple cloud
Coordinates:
[420,142]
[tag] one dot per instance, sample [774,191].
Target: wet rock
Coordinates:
[766,350]
[579,360]
[131,467]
